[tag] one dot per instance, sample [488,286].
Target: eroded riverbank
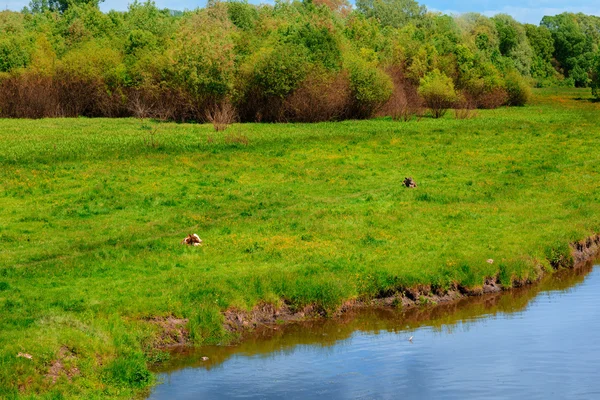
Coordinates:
[264,315]
[491,345]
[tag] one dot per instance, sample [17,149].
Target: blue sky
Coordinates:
[523,10]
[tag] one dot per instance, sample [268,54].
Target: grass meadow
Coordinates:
[92,213]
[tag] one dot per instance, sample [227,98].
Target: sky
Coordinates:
[530,11]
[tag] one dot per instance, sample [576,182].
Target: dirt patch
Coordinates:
[267,314]
[173,331]
[63,365]
[25,384]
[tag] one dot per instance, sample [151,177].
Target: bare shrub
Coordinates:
[35,95]
[108,102]
[420,113]
[492,99]
[221,115]
[140,104]
[254,106]
[465,113]
[397,106]
[405,102]
[165,103]
[173,104]
[465,108]
[28,95]
[78,96]
[319,99]
[150,137]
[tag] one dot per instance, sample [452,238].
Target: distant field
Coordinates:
[92,213]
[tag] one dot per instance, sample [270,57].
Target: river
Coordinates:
[541,342]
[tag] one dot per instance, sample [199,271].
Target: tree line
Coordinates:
[312,60]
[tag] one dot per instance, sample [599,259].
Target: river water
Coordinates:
[536,343]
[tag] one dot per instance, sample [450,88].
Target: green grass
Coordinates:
[91,220]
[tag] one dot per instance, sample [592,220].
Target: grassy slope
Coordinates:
[91,220]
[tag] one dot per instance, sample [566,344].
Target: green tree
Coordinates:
[364,32]
[443,32]
[38,6]
[279,71]
[572,49]
[540,39]
[370,87]
[242,14]
[595,84]
[15,42]
[13,54]
[321,43]
[479,34]
[513,43]
[147,17]
[395,13]
[340,7]
[508,33]
[203,54]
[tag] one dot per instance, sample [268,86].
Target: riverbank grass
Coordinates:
[92,213]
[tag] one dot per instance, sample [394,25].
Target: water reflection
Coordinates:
[537,341]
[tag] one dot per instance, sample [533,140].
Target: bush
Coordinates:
[93,62]
[370,87]
[28,95]
[405,102]
[320,42]
[88,81]
[438,93]
[280,70]
[204,54]
[294,61]
[320,97]
[221,115]
[465,108]
[267,78]
[139,39]
[517,89]
[492,98]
